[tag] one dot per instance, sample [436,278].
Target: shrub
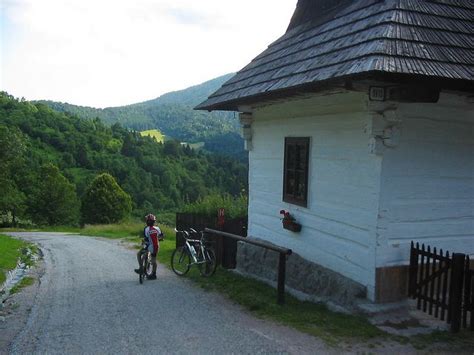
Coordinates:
[235,207]
[105,202]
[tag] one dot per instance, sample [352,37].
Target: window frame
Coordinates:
[287,197]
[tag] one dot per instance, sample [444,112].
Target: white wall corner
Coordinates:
[383,128]
[374,129]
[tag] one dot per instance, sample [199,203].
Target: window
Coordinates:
[295,173]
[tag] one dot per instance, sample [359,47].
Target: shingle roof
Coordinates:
[430,39]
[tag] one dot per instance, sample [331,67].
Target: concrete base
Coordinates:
[302,276]
[402,318]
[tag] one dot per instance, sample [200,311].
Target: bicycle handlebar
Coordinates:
[186,235]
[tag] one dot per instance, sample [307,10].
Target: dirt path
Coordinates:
[89,301]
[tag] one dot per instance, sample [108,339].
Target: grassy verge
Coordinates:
[455,342]
[24,282]
[12,250]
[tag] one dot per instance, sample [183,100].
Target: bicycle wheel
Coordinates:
[143,262]
[180,261]
[148,265]
[209,267]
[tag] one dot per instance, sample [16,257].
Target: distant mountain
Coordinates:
[173,114]
[193,95]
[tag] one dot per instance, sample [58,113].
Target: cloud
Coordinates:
[106,53]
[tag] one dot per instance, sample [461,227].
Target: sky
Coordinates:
[104,53]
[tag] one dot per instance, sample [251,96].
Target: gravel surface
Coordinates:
[88,300]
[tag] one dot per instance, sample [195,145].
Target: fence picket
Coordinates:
[420,277]
[439,284]
[467,292]
[427,275]
[413,273]
[445,291]
[471,302]
[432,283]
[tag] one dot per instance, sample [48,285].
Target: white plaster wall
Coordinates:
[427,186]
[339,225]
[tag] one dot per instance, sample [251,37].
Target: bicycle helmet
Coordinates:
[150,219]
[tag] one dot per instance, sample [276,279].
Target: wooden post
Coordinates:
[413,271]
[281,279]
[455,291]
[471,298]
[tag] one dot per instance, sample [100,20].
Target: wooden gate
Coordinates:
[468,302]
[441,284]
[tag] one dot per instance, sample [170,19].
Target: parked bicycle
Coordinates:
[197,250]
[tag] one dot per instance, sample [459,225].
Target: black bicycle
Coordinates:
[197,250]
[146,266]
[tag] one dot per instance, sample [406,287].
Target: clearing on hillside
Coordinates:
[155,133]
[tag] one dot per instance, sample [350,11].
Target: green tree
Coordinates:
[11,199]
[105,202]
[12,147]
[54,200]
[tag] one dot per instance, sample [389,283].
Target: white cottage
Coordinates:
[359,121]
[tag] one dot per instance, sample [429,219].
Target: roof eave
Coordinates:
[396,78]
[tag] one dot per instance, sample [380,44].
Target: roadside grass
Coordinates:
[454,341]
[24,282]
[12,250]
[114,231]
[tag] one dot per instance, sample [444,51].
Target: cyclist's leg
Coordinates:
[153,263]
[152,276]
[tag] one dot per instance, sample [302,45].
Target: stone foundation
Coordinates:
[311,279]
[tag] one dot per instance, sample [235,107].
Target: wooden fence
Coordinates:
[442,285]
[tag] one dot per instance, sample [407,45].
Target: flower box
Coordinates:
[292,226]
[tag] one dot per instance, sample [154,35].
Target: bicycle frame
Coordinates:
[200,252]
[199,256]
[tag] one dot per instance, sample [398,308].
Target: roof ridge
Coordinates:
[264,54]
[298,33]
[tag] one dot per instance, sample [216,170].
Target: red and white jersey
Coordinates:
[152,234]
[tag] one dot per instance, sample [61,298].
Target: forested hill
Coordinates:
[157,176]
[173,115]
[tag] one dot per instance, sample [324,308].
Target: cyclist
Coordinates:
[152,235]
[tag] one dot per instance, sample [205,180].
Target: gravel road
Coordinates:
[89,301]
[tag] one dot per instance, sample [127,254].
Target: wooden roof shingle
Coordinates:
[334,39]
